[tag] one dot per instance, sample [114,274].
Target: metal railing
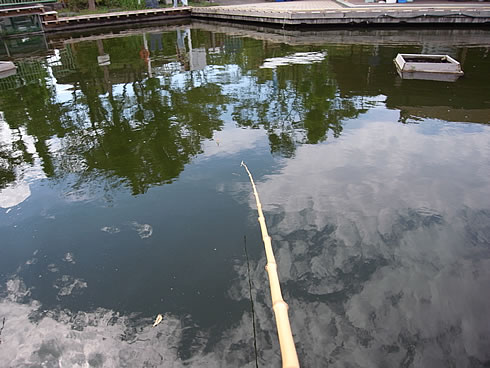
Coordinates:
[23,2]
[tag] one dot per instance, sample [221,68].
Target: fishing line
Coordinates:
[3,325]
[251,301]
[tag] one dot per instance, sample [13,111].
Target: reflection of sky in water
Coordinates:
[382,264]
[382,238]
[384,245]
[18,191]
[231,141]
[297,58]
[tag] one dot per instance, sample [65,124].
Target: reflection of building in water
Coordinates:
[197,58]
[159,52]
[233,44]
[438,49]
[155,42]
[62,62]
[30,71]
[21,47]
[27,72]
[20,25]
[167,68]
[182,56]
[191,59]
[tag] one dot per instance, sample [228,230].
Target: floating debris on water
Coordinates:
[52,268]
[158,320]
[144,230]
[110,229]
[68,284]
[69,257]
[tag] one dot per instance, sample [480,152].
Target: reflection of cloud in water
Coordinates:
[44,213]
[296,58]
[31,261]
[382,240]
[52,268]
[231,141]
[144,230]
[110,229]
[69,257]
[16,290]
[79,195]
[83,339]
[33,336]
[67,284]
[14,194]
[18,191]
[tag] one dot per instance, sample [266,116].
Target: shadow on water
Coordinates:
[119,177]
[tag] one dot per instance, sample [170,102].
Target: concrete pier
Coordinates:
[329,12]
[348,36]
[53,23]
[291,13]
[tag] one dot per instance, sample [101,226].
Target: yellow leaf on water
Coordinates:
[158,320]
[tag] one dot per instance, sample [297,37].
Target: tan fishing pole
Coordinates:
[279,306]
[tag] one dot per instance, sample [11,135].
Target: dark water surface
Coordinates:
[122,197]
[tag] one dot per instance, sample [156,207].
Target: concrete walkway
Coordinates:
[418,3]
[51,22]
[293,13]
[287,5]
[334,4]
[350,12]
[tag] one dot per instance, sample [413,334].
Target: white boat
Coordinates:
[429,67]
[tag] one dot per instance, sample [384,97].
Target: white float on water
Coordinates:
[429,67]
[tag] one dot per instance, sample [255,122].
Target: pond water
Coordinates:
[122,197]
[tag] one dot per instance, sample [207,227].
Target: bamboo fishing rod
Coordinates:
[279,306]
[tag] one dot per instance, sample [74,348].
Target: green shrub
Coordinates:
[111,4]
[131,4]
[77,5]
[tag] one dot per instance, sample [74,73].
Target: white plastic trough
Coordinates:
[429,67]
[7,68]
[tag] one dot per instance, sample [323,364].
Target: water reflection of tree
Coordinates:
[34,106]
[119,123]
[116,122]
[296,105]
[162,133]
[148,132]
[8,162]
